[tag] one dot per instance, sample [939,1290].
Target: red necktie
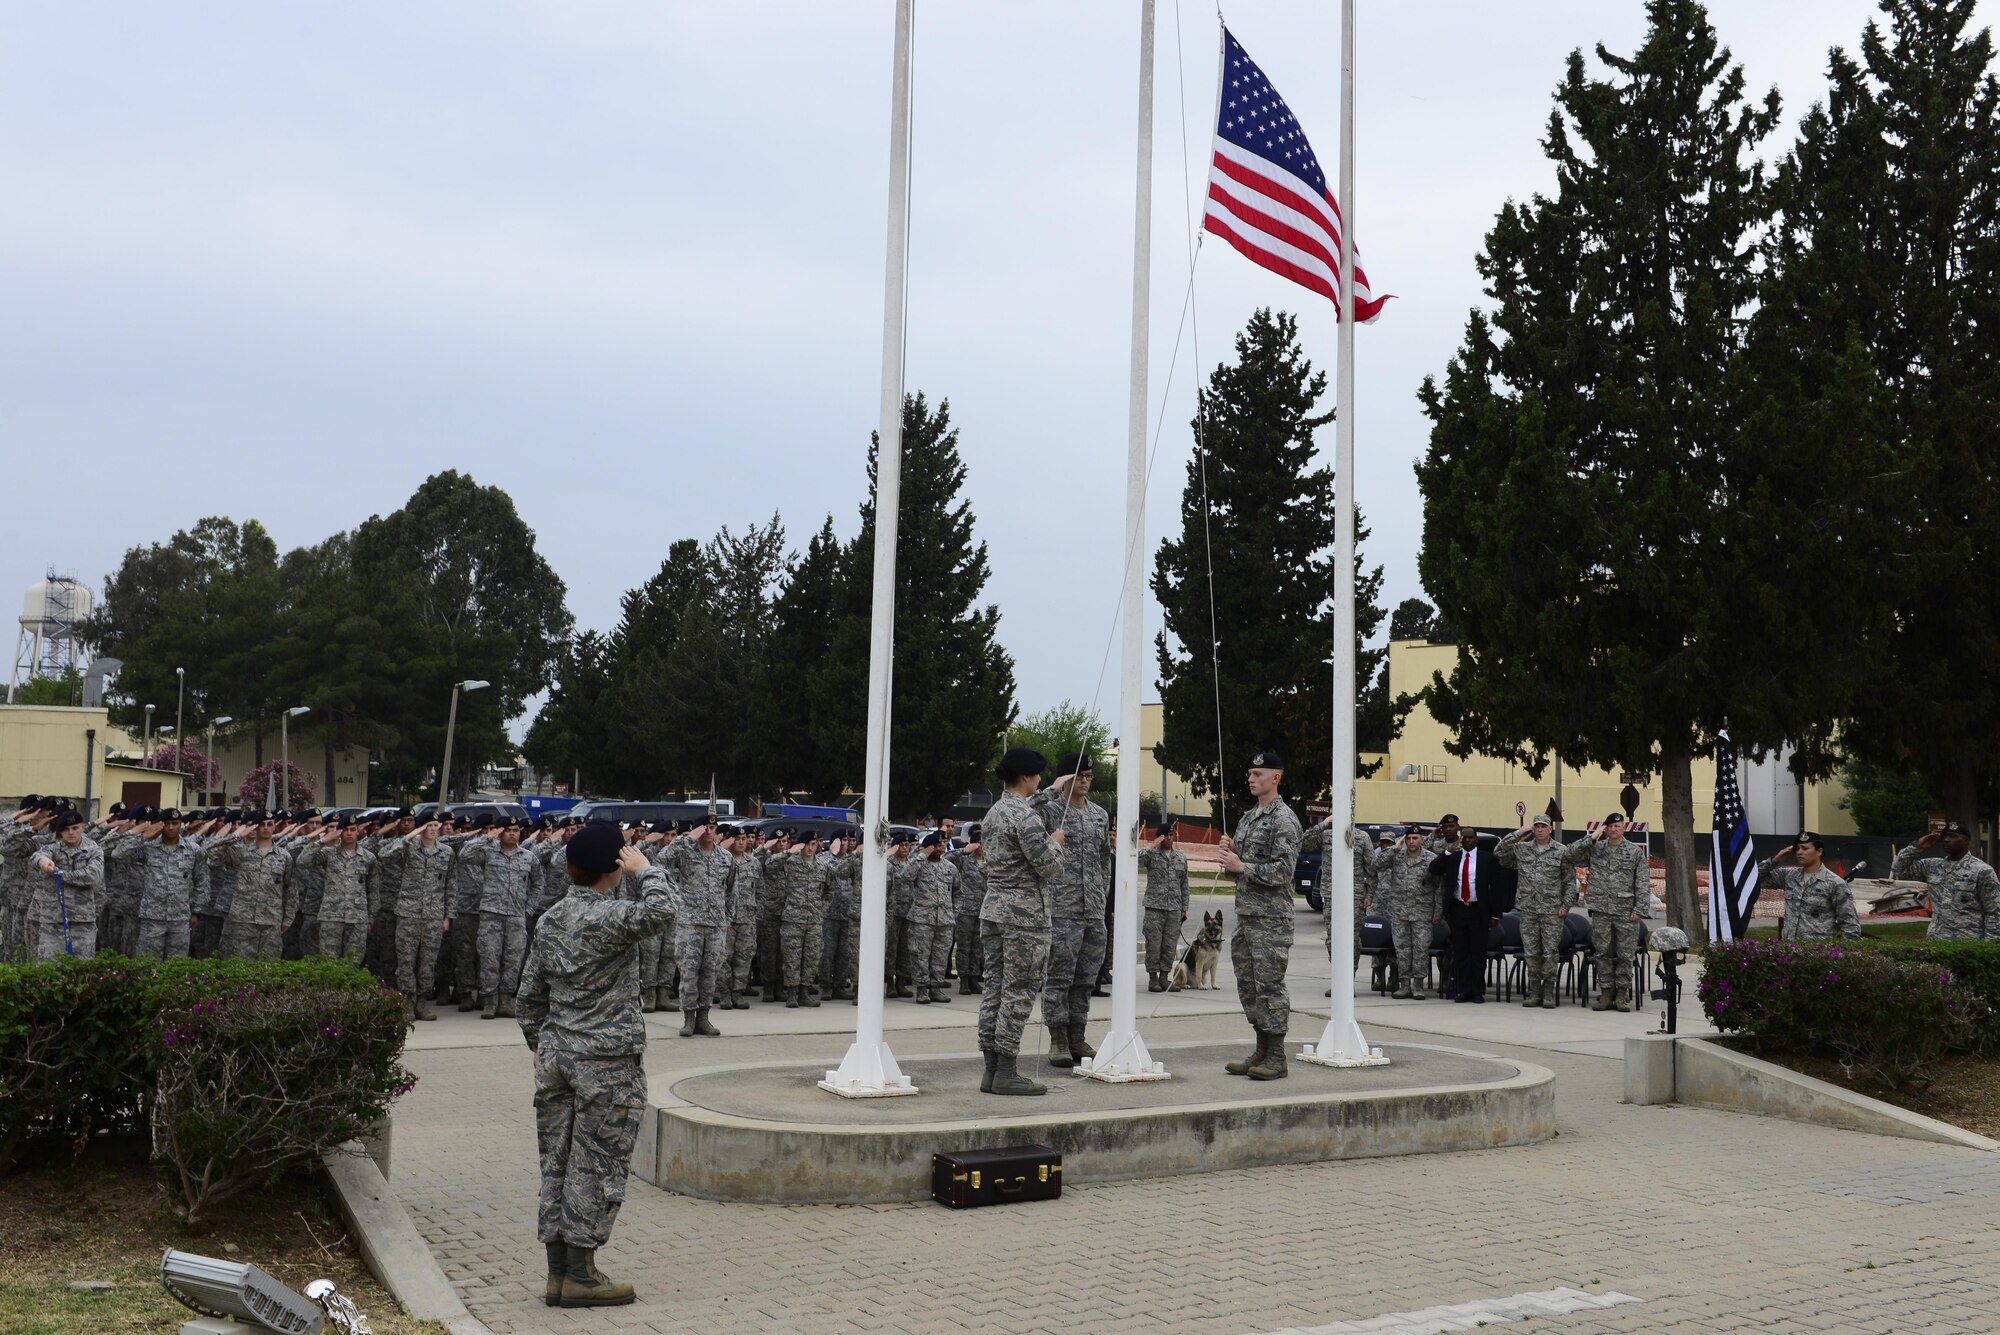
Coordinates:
[1465,878]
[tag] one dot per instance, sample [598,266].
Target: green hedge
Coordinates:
[80,1046]
[1974,964]
[1857,1004]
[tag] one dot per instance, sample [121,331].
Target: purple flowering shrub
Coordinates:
[1854,1004]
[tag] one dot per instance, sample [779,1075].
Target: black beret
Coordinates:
[1021,761]
[67,819]
[507,823]
[116,807]
[1448,819]
[484,821]
[933,839]
[1616,817]
[972,832]
[1413,828]
[1165,829]
[1808,837]
[31,802]
[1266,760]
[1953,827]
[595,847]
[1071,762]
[170,814]
[661,827]
[807,836]
[402,813]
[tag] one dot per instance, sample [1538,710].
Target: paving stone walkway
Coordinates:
[1711,1221]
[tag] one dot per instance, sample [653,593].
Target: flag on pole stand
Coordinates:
[1732,862]
[1267,198]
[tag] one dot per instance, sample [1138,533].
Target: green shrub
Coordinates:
[79,1052]
[1858,1005]
[1974,964]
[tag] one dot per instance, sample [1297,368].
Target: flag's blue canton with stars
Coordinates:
[1732,864]
[1255,118]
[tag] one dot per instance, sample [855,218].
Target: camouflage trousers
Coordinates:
[251,940]
[799,945]
[700,953]
[742,952]
[1616,938]
[118,928]
[343,940]
[768,969]
[896,949]
[656,961]
[833,970]
[52,942]
[930,955]
[205,938]
[1017,959]
[965,941]
[1076,953]
[1163,937]
[162,938]
[1258,952]
[417,956]
[850,966]
[465,953]
[587,1113]
[1412,938]
[1541,952]
[503,944]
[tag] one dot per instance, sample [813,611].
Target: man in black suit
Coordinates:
[1475,895]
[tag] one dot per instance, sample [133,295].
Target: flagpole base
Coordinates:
[1121,1059]
[1341,1044]
[869,1071]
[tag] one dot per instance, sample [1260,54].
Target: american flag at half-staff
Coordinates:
[1267,196]
[1732,862]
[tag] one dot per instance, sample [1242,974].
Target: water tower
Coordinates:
[47,645]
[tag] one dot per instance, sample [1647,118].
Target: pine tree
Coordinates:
[797,647]
[1594,511]
[1264,514]
[1879,334]
[953,686]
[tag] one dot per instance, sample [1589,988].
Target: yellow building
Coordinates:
[1420,780]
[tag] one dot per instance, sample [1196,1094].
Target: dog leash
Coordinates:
[62,908]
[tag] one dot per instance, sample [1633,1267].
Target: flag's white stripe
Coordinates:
[1252,202]
[1298,185]
[1305,259]
[1321,219]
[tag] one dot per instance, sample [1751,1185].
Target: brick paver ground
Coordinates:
[1714,1221]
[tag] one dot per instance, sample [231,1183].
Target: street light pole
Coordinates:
[450,727]
[180,743]
[146,739]
[209,759]
[285,748]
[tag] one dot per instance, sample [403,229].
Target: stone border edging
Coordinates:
[1661,1068]
[394,1252]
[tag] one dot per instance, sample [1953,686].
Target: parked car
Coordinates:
[625,813]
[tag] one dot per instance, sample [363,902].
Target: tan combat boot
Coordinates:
[489,1008]
[1242,1065]
[1059,1055]
[1007,1080]
[1077,1047]
[558,1265]
[1273,1066]
[584,1286]
[507,1006]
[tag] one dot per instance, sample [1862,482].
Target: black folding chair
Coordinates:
[1505,957]
[1577,957]
[1380,949]
[1440,955]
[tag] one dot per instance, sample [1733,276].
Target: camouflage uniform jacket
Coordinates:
[808,883]
[1166,879]
[388,871]
[746,889]
[704,879]
[469,877]
[935,902]
[124,878]
[14,867]
[1545,879]
[1021,860]
[1267,839]
[82,871]
[1086,854]
[1817,905]
[971,889]
[350,882]
[503,885]
[902,886]
[165,873]
[265,895]
[579,990]
[1315,840]
[1965,897]
[215,885]
[1410,894]
[427,875]
[1620,882]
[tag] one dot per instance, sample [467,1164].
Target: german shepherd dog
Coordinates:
[1200,956]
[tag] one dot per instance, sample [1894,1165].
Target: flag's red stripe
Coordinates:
[1276,227]
[1290,198]
[1276,264]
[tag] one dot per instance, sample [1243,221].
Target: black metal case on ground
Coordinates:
[971,1178]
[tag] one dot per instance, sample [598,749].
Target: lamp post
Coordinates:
[165,731]
[451,726]
[285,746]
[146,739]
[213,724]
[180,703]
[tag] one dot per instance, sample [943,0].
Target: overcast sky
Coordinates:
[625,259]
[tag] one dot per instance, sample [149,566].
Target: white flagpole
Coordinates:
[1341,1043]
[1122,1054]
[869,1070]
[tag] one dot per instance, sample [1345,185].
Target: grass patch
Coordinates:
[1965,1093]
[108,1220]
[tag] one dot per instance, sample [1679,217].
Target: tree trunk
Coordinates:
[259,734]
[1677,816]
[327,797]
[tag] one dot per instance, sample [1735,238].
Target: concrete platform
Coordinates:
[765,1133]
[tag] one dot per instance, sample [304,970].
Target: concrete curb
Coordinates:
[721,1156]
[394,1252]
[1663,1069]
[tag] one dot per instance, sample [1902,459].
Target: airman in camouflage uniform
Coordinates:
[1411,905]
[124,883]
[17,846]
[1166,905]
[427,869]
[745,892]
[1022,859]
[1964,894]
[1315,841]
[771,916]
[933,914]
[214,892]
[1818,904]
[264,899]
[579,1009]
[163,866]
[505,867]
[701,945]
[1621,886]
[1262,855]
[896,966]
[1545,887]
[808,886]
[466,894]
[971,889]
[1076,907]
[347,905]
[65,872]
